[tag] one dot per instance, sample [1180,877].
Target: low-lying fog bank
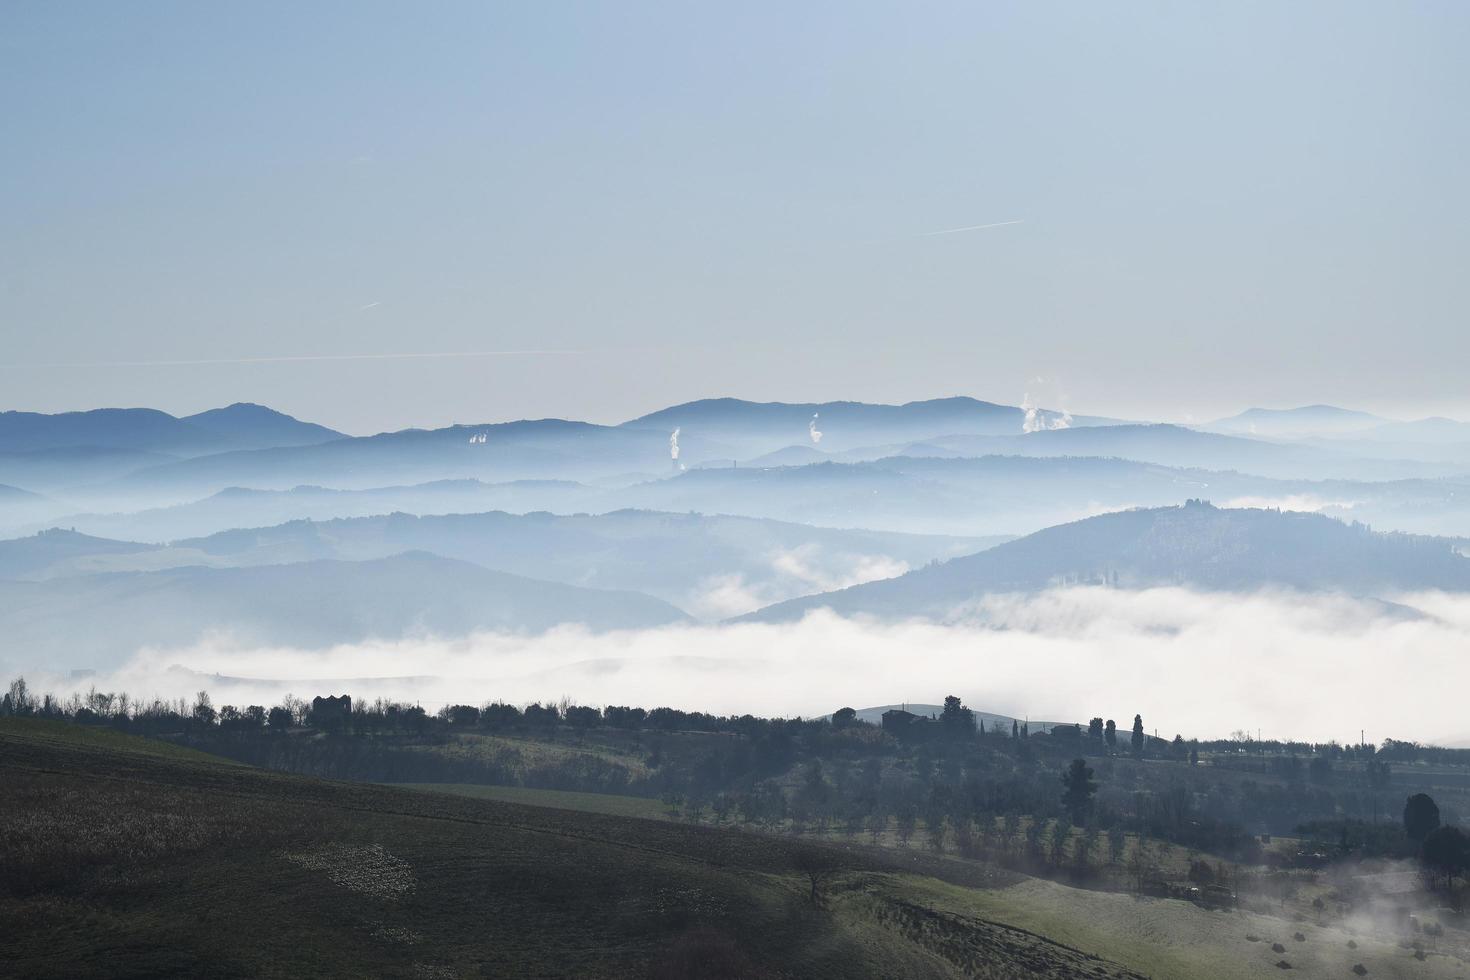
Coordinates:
[1308,667]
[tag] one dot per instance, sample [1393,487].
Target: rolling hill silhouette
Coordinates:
[98,620]
[1196,545]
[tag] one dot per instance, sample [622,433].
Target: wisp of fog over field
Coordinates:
[1205,665]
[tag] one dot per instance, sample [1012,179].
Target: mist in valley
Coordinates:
[1309,668]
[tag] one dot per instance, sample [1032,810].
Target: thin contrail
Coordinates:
[955,231]
[298,357]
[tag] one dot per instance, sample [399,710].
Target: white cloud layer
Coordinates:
[1312,667]
[1309,502]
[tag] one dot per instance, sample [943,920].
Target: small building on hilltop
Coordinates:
[331,712]
[896,720]
[905,724]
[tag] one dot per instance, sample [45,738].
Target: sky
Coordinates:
[595,210]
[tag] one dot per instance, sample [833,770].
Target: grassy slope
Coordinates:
[126,858]
[1156,937]
[617,806]
[1164,938]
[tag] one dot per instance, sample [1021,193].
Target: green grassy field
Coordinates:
[1164,938]
[617,806]
[128,858]
[1156,937]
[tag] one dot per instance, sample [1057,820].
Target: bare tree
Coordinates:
[1139,864]
[819,864]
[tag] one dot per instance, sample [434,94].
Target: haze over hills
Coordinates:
[1308,420]
[753,428]
[20,509]
[991,494]
[39,555]
[722,429]
[1196,545]
[1173,445]
[1361,434]
[1019,494]
[701,563]
[954,466]
[790,456]
[10,495]
[1421,433]
[712,566]
[246,445]
[509,451]
[137,459]
[236,507]
[779,544]
[344,581]
[97,621]
[70,468]
[988,495]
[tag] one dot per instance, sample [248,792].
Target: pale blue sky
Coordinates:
[1221,205]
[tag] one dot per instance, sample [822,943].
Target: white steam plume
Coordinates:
[674,444]
[1036,420]
[813,431]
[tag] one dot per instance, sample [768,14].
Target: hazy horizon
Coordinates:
[649,406]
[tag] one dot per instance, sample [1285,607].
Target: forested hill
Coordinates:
[1197,545]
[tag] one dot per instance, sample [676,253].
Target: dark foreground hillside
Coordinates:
[129,858]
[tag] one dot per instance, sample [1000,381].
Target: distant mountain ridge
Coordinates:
[689,560]
[242,507]
[1195,545]
[756,428]
[925,493]
[9,493]
[607,467]
[238,426]
[722,429]
[64,467]
[1329,425]
[643,448]
[1304,414]
[258,427]
[499,452]
[22,558]
[1176,445]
